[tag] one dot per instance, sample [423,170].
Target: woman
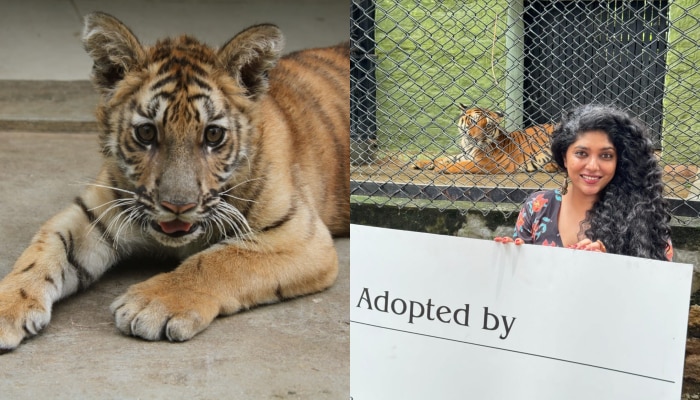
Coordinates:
[612,198]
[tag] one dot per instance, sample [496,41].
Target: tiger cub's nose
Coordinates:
[178,208]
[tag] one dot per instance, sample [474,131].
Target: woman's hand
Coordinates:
[588,245]
[506,239]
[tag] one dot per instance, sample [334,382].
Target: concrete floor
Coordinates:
[297,349]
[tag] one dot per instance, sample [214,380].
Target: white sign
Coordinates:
[439,317]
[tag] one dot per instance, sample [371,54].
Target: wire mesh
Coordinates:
[525,62]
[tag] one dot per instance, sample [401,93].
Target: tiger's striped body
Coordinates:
[233,160]
[488,149]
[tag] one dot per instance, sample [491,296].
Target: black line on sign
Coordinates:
[516,351]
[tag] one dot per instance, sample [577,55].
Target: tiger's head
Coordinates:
[176,125]
[479,126]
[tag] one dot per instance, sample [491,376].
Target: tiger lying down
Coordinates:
[234,160]
[488,149]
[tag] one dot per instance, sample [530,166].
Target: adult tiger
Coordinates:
[488,149]
[234,160]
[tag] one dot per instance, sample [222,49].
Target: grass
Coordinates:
[428,62]
[432,55]
[681,125]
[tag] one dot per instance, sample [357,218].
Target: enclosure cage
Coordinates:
[413,63]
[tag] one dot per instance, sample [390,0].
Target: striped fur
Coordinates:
[232,159]
[488,149]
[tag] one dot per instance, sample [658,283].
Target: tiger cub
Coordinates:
[488,149]
[234,160]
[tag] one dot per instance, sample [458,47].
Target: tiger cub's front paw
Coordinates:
[21,315]
[161,309]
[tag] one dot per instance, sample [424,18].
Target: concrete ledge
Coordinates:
[474,224]
[430,220]
[48,106]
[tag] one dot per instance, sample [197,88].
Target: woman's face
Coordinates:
[590,162]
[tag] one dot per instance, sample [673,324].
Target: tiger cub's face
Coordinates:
[479,125]
[176,125]
[178,140]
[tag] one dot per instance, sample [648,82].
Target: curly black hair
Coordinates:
[631,216]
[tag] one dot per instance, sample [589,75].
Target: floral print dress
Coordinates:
[538,221]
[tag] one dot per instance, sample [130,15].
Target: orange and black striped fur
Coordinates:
[234,160]
[488,149]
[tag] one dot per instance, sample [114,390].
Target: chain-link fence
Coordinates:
[527,61]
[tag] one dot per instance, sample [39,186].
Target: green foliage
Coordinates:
[431,56]
[681,143]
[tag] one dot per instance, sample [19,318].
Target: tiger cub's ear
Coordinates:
[250,54]
[114,49]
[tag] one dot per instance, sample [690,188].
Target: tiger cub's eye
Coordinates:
[146,133]
[214,135]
